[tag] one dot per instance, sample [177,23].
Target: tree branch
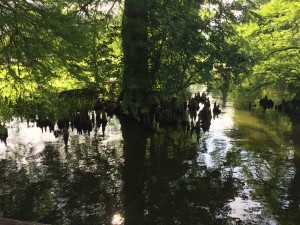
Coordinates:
[281,50]
[110,9]
[297,71]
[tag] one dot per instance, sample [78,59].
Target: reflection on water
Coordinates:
[117,219]
[245,169]
[42,181]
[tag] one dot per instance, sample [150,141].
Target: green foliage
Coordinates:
[193,42]
[45,43]
[34,38]
[166,46]
[274,40]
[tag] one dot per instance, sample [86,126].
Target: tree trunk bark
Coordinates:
[136,78]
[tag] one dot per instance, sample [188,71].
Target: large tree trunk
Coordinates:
[136,78]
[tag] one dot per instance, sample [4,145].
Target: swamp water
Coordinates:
[245,170]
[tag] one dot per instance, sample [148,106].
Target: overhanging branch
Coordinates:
[281,50]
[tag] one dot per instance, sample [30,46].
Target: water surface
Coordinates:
[246,168]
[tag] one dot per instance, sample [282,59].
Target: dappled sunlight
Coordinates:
[117,219]
[260,130]
[213,145]
[24,142]
[248,210]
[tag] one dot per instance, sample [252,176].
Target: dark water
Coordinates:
[245,169]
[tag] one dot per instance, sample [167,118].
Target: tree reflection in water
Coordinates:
[134,171]
[80,186]
[134,176]
[294,189]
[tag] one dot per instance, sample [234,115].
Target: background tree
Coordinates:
[166,46]
[43,43]
[37,42]
[185,42]
[274,42]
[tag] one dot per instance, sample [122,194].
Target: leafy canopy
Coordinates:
[46,42]
[274,41]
